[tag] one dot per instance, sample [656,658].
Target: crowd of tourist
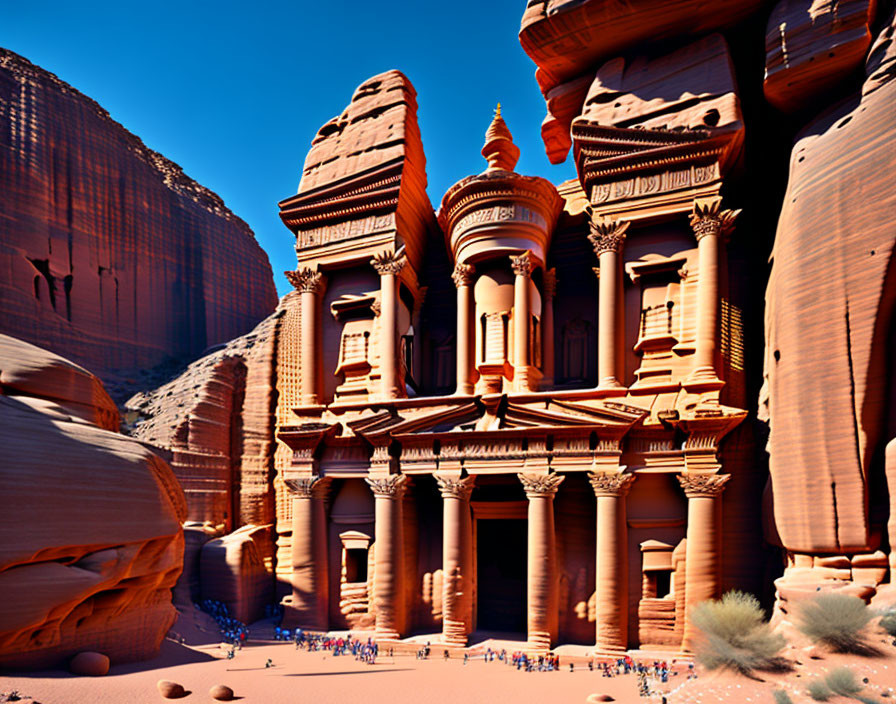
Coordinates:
[233,631]
[362,651]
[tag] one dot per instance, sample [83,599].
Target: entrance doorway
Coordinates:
[501,575]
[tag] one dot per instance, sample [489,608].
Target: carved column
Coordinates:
[463,279]
[388,266]
[890,474]
[309,607]
[704,547]
[522,269]
[457,562]
[310,284]
[547,328]
[388,587]
[608,238]
[611,579]
[542,559]
[709,223]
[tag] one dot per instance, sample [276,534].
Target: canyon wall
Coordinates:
[110,255]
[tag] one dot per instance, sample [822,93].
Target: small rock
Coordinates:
[89,663]
[221,692]
[593,698]
[170,690]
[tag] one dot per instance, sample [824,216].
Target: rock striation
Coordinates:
[111,255]
[90,520]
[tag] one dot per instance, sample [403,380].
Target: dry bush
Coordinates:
[735,634]
[782,697]
[818,690]
[888,621]
[835,620]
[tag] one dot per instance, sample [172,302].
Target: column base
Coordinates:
[454,633]
[703,379]
[539,642]
[611,387]
[386,635]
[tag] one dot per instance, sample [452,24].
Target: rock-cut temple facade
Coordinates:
[510,415]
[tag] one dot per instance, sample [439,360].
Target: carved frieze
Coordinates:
[347,229]
[651,184]
[498,214]
[611,483]
[539,485]
[703,485]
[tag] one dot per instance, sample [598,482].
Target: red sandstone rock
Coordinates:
[90,537]
[170,690]
[232,570]
[830,295]
[811,45]
[89,663]
[221,692]
[111,255]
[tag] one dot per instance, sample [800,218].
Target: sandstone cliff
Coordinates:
[90,520]
[110,254]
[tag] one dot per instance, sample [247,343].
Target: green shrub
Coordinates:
[842,681]
[835,620]
[888,621]
[735,634]
[782,697]
[818,690]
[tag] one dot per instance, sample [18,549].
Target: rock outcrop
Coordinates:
[111,256]
[90,520]
[829,332]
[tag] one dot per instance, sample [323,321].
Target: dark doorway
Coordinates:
[501,575]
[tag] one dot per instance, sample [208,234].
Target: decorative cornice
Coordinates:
[550,283]
[391,487]
[306,280]
[611,483]
[607,235]
[308,487]
[538,485]
[456,488]
[708,218]
[389,262]
[522,264]
[463,274]
[703,485]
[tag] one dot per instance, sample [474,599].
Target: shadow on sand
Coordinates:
[352,672]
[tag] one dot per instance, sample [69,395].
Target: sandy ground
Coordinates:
[318,677]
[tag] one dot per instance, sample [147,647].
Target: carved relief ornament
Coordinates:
[308,487]
[703,485]
[537,485]
[522,264]
[463,274]
[607,235]
[456,488]
[611,483]
[389,263]
[391,487]
[306,280]
[708,218]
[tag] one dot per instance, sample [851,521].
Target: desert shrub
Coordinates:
[782,697]
[835,620]
[735,634]
[888,621]
[818,690]
[842,681]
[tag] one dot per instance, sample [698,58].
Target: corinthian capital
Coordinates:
[703,485]
[456,488]
[522,264]
[306,280]
[536,485]
[390,487]
[708,218]
[389,262]
[611,483]
[607,235]
[308,487]
[463,274]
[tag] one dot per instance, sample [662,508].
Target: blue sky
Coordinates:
[234,92]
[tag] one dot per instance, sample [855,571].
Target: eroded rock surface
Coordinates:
[111,255]
[90,520]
